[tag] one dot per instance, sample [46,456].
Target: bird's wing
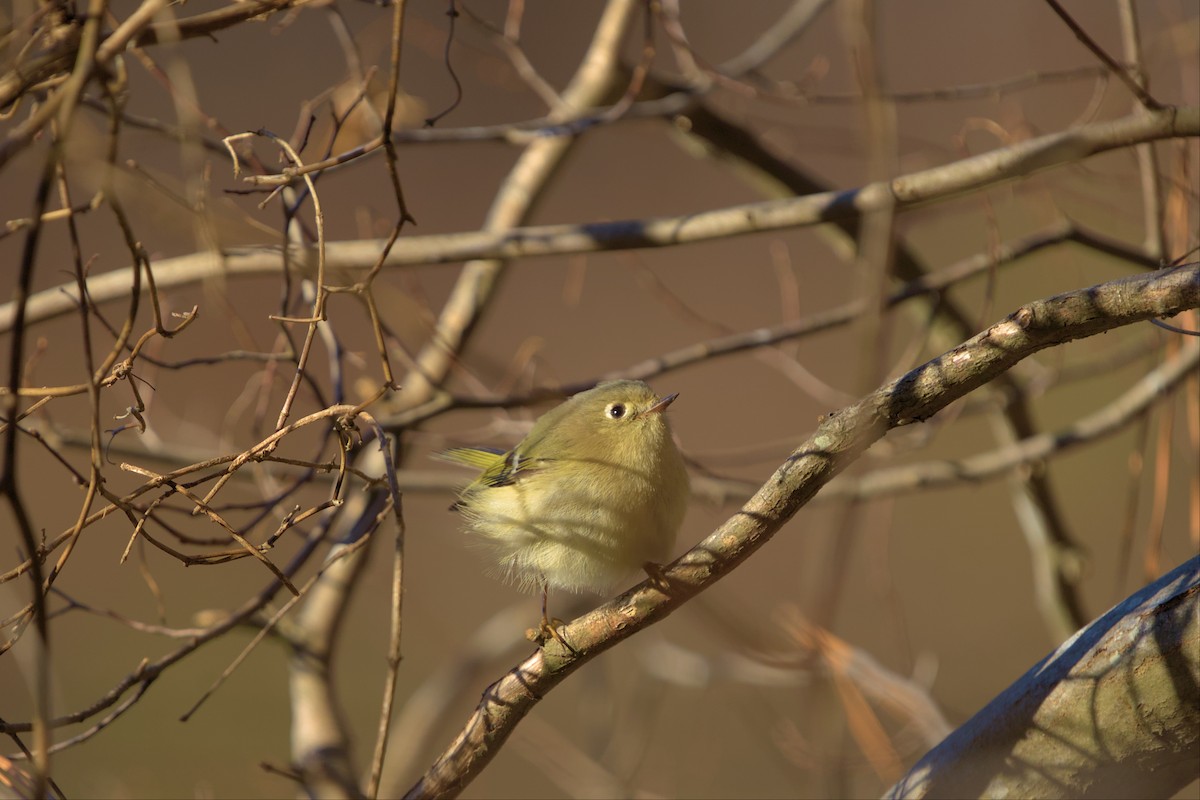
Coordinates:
[478,457]
[498,468]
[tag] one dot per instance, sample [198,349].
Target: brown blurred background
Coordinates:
[934,586]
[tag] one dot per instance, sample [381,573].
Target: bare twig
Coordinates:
[1134,86]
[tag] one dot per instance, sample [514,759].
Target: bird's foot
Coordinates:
[546,631]
[658,576]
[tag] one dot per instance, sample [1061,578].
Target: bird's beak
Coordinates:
[661,405]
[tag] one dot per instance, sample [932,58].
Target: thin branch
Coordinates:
[1134,86]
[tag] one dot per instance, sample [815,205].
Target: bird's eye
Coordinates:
[616,410]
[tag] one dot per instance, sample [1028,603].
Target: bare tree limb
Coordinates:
[927,186]
[1113,712]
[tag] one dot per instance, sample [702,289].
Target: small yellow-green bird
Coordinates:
[596,491]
